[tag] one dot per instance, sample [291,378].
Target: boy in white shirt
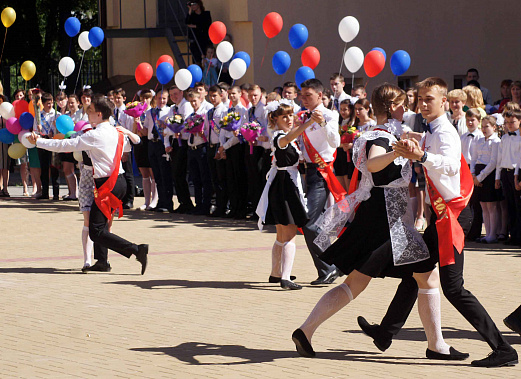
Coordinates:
[290,92]
[337,83]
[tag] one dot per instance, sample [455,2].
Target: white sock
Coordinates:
[87,246]
[493,211]
[288,256]
[72,182]
[154,199]
[429,309]
[276,259]
[147,184]
[329,304]
[486,219]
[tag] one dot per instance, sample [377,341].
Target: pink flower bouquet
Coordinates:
[231,122]
[195,125]
[136,109]
[251,131]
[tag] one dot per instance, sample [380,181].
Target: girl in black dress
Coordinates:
[377,243]
[282,202]
[343,164]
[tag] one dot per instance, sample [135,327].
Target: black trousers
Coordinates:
[179,164]
[236,179]
[99,230]
[200,175]
[257,164]
[129,179]
[218,177]
[162,174]
[514,204]
[45,158]
[317,194]
[477,217]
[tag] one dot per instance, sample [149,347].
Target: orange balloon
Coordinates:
[31,108]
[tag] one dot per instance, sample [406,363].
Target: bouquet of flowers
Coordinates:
[348,135]
[195,125]
[135,109]
[176,124]
[231,121]
[250,132]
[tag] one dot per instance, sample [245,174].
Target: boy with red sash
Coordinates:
[105,145]
[318,144]
[449,186]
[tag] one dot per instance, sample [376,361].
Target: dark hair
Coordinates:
[18,90]
[120,91]
[215,88]
[314,84]
[148,94]
[506,82]
[110,93]
[474,83]
[278,90]
[414,105]
[473,70]
[338,76]
[172,87]
[224,86]
[351,111]
[382,98]
[245,86]
[201,84]
[46,96]
[61,95]
[87,92]
[74,96]
[516,113]
[103,105]
[199,2]
[290,85]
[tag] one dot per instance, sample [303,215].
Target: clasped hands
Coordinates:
[409,149]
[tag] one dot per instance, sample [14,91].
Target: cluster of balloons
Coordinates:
[18,126]
[240,62]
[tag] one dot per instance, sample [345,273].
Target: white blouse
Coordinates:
[484,151]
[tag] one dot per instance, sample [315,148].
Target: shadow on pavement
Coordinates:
[180,284]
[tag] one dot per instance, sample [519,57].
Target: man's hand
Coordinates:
[317,117]
[32,138]
[408,148]
[168,149]
[409,135]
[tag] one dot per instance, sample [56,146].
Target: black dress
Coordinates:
[365,245]
[284,199]
[341,165]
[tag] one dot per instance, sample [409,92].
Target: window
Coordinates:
[459,81]
[405,82]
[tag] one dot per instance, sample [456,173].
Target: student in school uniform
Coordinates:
[86,98]
[202,89]
[337,83]
[364,115]
[290,92]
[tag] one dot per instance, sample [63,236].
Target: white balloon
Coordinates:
[354,59]
[78,156]
[6,110]
[348,28]
[22,137]
[237,68]
[83,41]
[183,79]
[224,51]
[66,66]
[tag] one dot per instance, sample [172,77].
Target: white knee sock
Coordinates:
[87,246]
[276,259]
[147,184]
[154,199]
[429,309]
[288,256]
[72,182]
[333,301]
[493,210]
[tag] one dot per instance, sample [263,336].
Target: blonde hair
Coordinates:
[282,110]
[437,84]
[272,96]
[474,97]
[384,96]
[473,112]
[491,120]
[511,106]
[458,94]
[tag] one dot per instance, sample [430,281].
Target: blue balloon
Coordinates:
[304,73]
[400,62]
[64,124]
[72,26]
[298,35]
[26,121]
[281,62]
[197,73]
[6,136]
[96,36]
[382,51]
[164,72]
[244,56]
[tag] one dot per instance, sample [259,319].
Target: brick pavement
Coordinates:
[203,308]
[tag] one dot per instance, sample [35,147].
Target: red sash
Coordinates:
[326,170]
[106,201]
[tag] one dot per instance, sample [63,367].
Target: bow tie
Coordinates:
[471,135]
[427,128]
[511,133]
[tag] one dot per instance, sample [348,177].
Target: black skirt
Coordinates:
[340,164]
[487,193]
[67,157]
[141,153]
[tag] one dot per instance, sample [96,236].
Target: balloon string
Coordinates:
[233,83]
[79,72]
[342,60]
[265,51]
[220,70]
[5,37]
[353,82]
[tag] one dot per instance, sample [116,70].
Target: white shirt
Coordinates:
[484,151]
[343,96]
[48,123]
[83,116]
[100,143]
[365,127]
[443,147]
[119,113]
[460,125]
[226,138]
[220,111]
[325,139]
[509,153]
[149,122]
[467,141]
[76,116]
[206,106]
[261,116]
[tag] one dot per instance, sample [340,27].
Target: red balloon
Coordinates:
[217,32]
[374,63]
[272,24]
[20,106]
[144,72]
[164,58]
[310,57]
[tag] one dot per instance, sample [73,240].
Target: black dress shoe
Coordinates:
[454,355]
[289,285]
[501,356]
[381,338]
[142,257]
[304,348]
[275,279]
[513,323]
[160,210]
[328,279]
[128,206]
[98,267]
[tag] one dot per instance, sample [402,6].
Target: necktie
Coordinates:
[252,114]
[427,128]
[232,109]
[154,112]
[335,102]
[176,109]
[455,123]
[210,119]
[116,112]
[191,134]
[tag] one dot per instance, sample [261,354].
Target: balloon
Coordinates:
[6,136]
[13,125]
[304,73]
[354,59]
[197,74]
[80,124]
[217,32]
[7,110]
[224,51]
[31,109]
[281,62]
[381,51]
[69,134]
[165,58]
[310,57]
[20,106]
[83,41]
[8,16]
[64,124]
[144,73]
[244,56]
[66,66]
[400,62]
[16,150]
[298,35]
[237,68]
[72,26]
[164,72]
[374,63]
[28,69]
[78,156]
[183,79]
[22,137]
[26,120]
[272,24]
[96,36]
[348,28]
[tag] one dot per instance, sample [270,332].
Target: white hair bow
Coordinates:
[86,86]
[62,86]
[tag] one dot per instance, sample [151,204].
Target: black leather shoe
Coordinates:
[160,210]
[98,267]
[381,338]
[42,197]
[454,355]
[302,344]
[275,279]
[289,285]
[501,356]
[128,206]
[513,323]
[142,257]
[328,279]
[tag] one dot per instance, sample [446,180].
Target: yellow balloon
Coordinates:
[16,150]
[8,17]
[28,70]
